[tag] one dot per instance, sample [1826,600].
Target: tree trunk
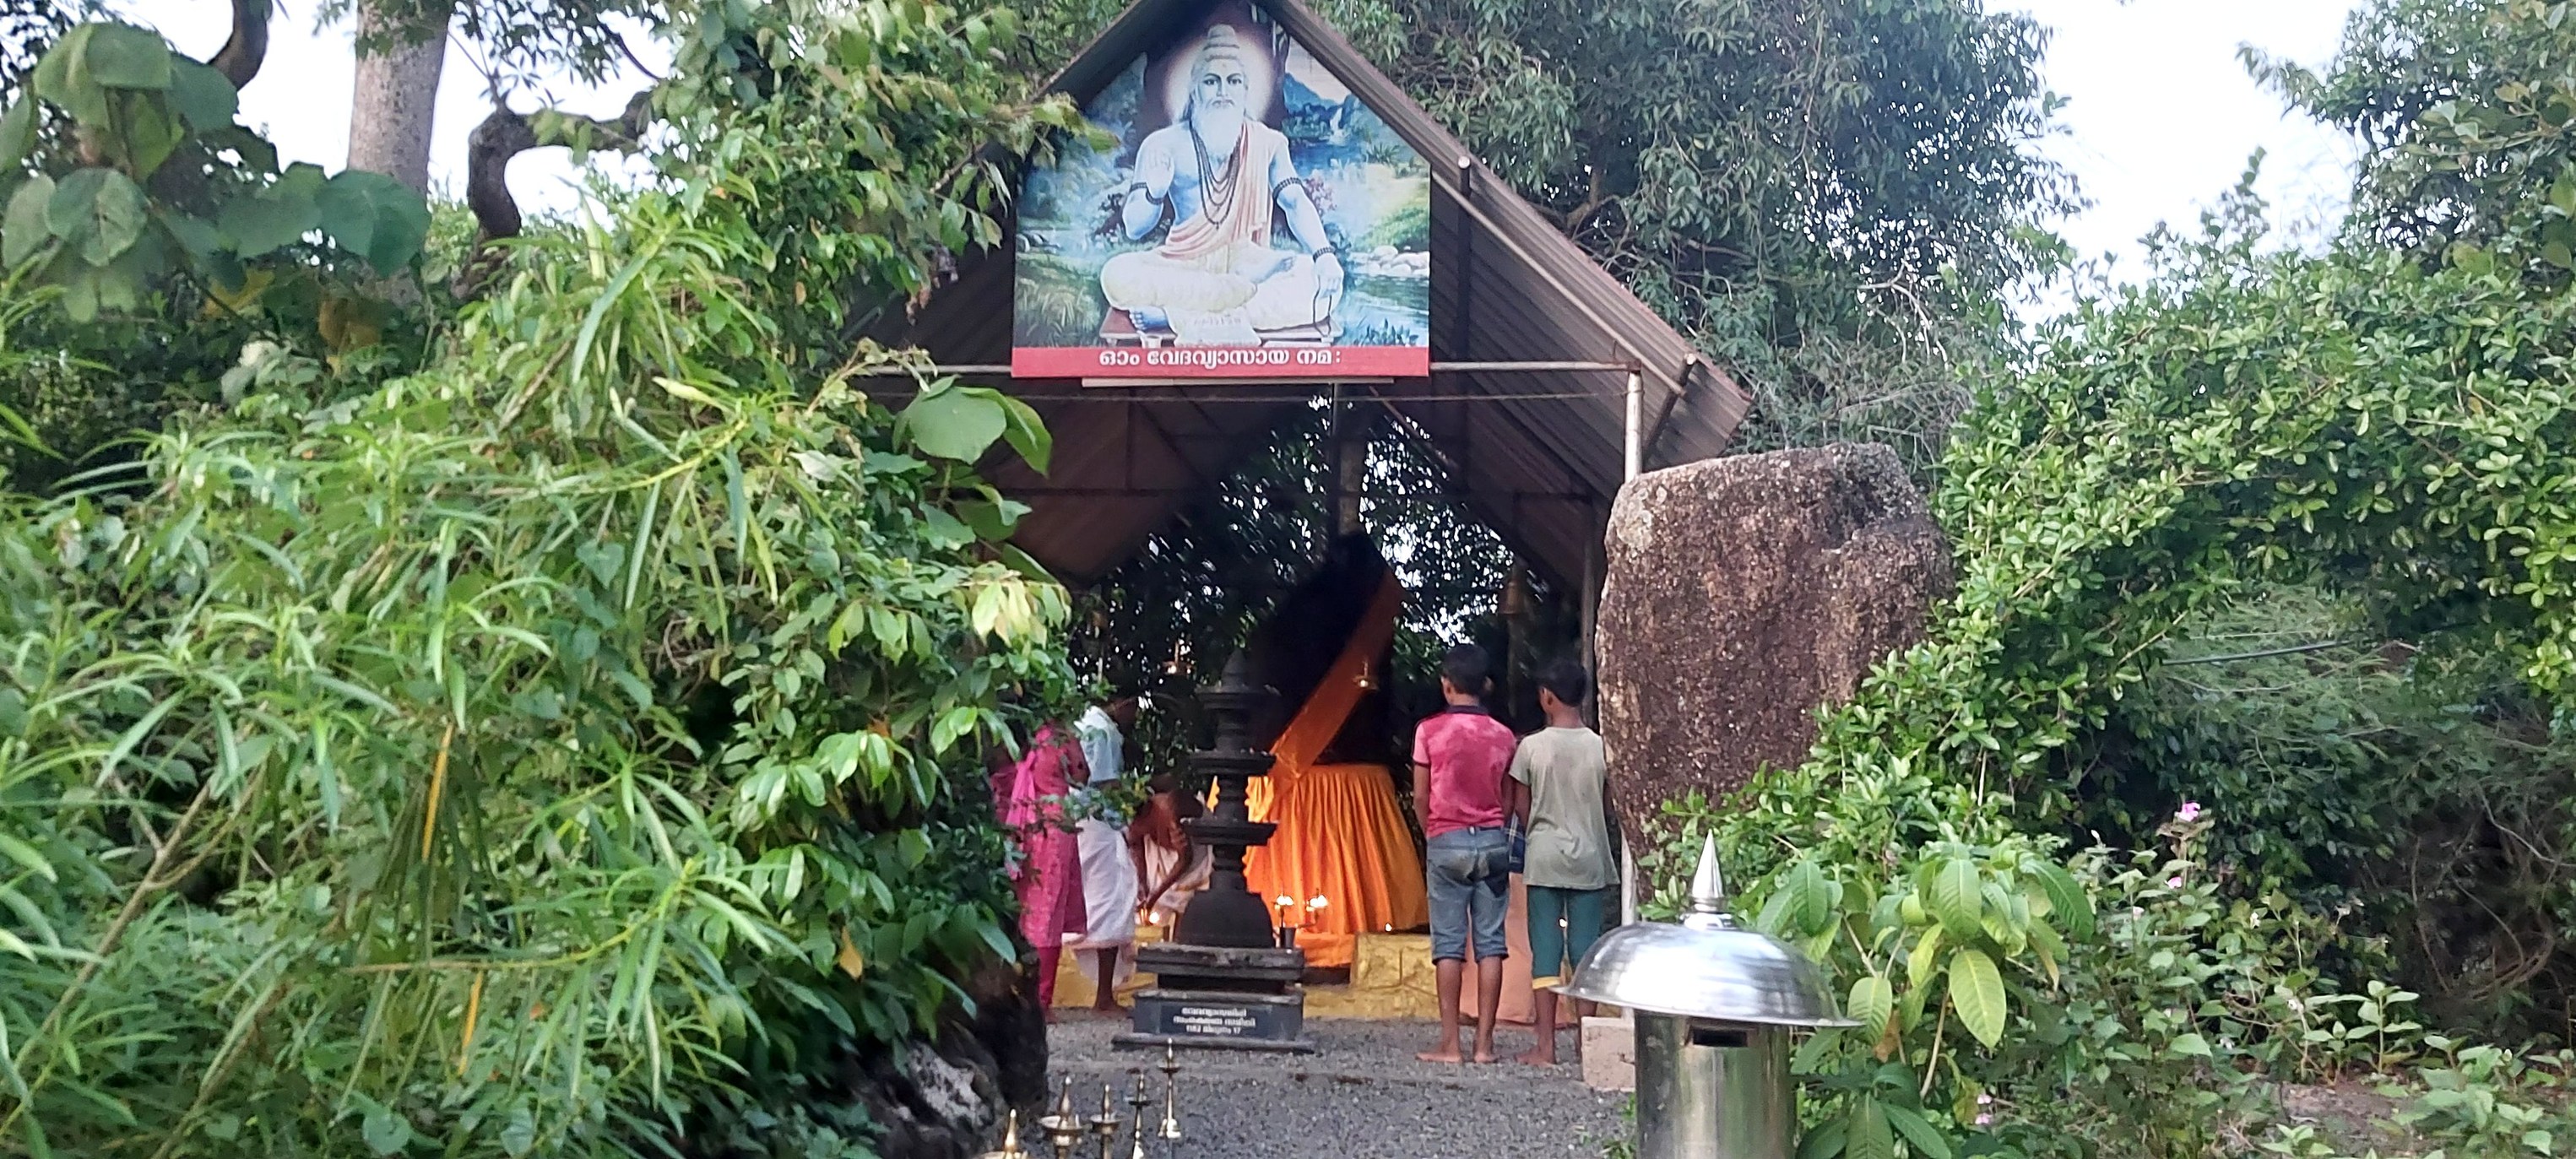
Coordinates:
[390,115]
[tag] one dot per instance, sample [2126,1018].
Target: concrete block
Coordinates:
[1610,1053]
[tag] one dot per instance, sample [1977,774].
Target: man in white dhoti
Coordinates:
[1224,177]
[1105,948]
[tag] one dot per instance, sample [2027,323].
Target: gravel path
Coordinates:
[1360,1096]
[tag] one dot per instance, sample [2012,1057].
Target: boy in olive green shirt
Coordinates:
[1560,778]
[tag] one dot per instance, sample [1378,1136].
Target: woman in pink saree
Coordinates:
[1030,796]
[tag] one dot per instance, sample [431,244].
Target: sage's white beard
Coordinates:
[1219,130]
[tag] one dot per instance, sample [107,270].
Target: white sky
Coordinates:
[2162,116]
[2161,119]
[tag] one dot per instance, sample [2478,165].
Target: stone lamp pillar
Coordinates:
[1223,981]
[1227,912]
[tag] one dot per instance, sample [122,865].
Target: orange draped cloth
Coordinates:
[1341,836]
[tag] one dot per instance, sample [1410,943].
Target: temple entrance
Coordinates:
[1325,394]
[1341,560]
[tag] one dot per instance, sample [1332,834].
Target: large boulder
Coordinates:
[948,1096]
[1741,595]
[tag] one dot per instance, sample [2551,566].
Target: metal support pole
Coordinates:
[1634,423]
[1636,465]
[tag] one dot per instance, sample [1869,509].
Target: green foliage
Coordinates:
[2466,104]
[523,43]
[1818,194]
[573,742]
[1922,962]
[145,175]
[2415,788]
[2277,418]
[2381,429]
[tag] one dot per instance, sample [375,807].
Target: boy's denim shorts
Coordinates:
[1470,886]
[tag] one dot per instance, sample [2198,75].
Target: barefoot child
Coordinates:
[1458,762]
[1559,776]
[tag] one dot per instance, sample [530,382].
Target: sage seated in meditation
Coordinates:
[1216,280]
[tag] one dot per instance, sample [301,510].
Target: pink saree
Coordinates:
[1030,796]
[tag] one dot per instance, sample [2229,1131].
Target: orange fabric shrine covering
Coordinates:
[1341,836]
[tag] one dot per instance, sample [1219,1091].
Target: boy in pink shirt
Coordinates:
[1459,761]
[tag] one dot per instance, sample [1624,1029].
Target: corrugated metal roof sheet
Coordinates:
[1537,455]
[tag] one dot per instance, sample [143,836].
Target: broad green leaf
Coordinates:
[1806,886]
[2051,950]
[202,96]
[1918,1131]
[2067,902]
[1827,1140]
[80,294]
[1955,900]
[1977,993]
[1024,563]
[63,77]
[152,131]
[1778,911]
[948,422]
[194,234]
[121,56]
[1924,960]
[100,210]
[1027,433]
[1870,1137]
[520,1136]
[991,522]
[23,232]
[386,1132]
[1872,1003]
[947,530]
[17,134]
[275,216]
[2190,1045]
[2003,921]
[373,216]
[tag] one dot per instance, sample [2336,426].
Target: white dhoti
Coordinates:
[1109,899]
[1160,862]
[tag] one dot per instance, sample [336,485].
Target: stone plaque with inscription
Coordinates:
[1219,1019]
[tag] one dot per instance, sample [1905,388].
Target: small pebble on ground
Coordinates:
[1361,1095]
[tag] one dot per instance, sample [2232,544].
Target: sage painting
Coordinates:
[1254,218]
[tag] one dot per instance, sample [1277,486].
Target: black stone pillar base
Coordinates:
[1220,997]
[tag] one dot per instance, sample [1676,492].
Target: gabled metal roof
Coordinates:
[1537,455]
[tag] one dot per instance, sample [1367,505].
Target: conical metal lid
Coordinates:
[1705,967]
